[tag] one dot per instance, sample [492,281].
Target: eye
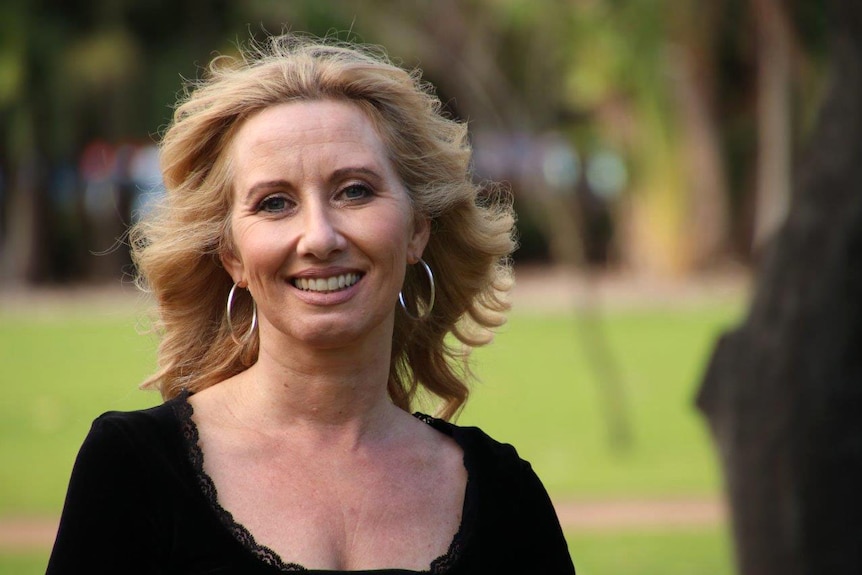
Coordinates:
[356,192]
[273,204]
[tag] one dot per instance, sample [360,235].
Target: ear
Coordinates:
[233,265]
[419,238]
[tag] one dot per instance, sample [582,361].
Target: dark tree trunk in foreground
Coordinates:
[783,393]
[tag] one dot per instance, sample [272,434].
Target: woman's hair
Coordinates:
[177,246]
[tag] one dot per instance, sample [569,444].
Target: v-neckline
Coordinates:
[184,412]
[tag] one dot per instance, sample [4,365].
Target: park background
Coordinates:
[650,146]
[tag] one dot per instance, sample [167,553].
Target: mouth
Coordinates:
[326,285]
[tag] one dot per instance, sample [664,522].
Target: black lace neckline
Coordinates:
[184,411]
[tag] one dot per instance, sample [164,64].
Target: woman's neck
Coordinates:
[331,394]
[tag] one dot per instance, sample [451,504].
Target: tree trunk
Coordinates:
[24,253]
[692,63]
[783,392]
[708,223]
[773,119]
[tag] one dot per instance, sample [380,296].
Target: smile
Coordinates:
[331,284]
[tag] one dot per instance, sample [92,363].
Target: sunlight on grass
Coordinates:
[537,392]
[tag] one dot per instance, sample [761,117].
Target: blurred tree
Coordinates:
[693,59]
[496,72]
[783,391]
[22,97]
[72,73]
[772,194]
[685,95]
[619,76]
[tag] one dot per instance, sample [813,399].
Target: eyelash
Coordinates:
[264,207]
[366,191]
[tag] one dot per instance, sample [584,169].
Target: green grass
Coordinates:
[23,563]
[537,392]
[674,552]
[541,392]
[57,376]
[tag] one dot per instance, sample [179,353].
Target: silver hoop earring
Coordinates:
[430,299]
[244,339]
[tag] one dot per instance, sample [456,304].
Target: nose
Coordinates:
[320,236]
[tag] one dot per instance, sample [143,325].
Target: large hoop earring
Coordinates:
[244,339]
[430,299]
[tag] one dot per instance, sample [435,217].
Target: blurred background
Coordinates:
[643,135]
[650,146]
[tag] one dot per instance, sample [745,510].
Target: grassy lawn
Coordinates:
[538,391]
[58,373]
[674,552]
[23,564]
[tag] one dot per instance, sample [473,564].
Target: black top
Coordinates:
[140,502]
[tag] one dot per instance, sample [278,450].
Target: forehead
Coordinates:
[324,127]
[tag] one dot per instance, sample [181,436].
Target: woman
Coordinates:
[318,191]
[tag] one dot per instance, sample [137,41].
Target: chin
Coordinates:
[331,335]
[329,339]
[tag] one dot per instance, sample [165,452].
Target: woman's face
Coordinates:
[322,226]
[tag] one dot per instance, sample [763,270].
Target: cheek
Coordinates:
[391,237]
[260,247]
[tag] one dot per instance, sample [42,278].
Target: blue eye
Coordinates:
[273,204]
[356,192]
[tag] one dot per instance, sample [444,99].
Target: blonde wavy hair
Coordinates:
[176,248]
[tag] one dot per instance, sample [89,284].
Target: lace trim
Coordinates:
[448,560]
[184,411]
[264,554]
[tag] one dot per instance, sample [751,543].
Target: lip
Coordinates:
[325,272]
[326,298]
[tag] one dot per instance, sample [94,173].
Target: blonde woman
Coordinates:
[320,243]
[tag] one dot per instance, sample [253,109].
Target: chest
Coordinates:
[328,512]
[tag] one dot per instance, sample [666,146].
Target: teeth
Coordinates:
[328,284]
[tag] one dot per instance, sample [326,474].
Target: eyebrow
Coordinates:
[336,175]
[260,186]
[348,171]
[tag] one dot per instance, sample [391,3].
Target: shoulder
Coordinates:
[482,453]
[509,517]
[117,430]
[128,476]
[126,450]
[162,415]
